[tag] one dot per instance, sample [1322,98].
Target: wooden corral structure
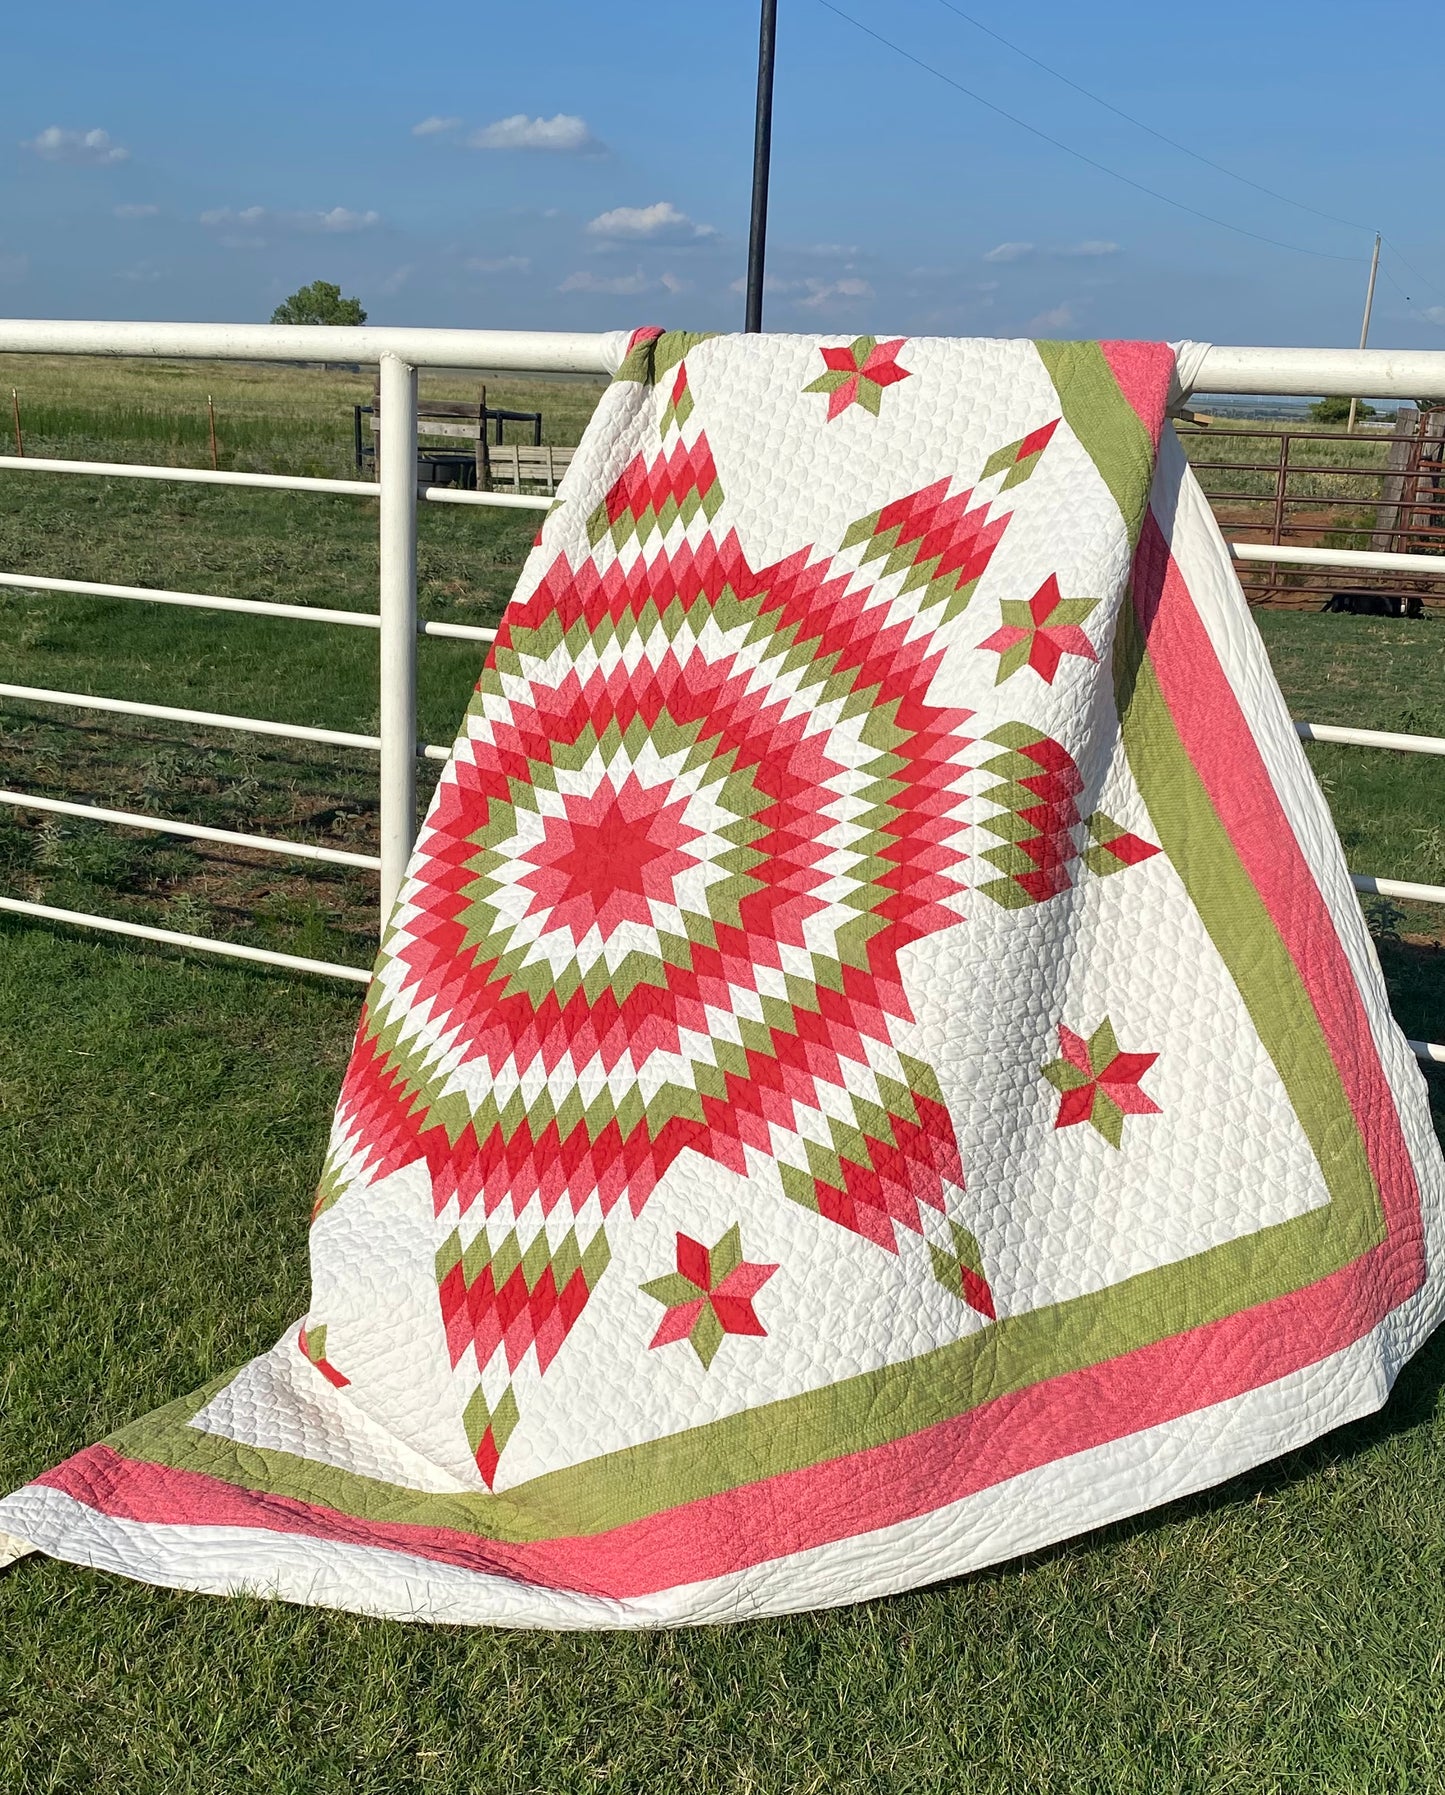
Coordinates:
[491,464]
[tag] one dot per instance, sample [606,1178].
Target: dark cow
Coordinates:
[1364,603]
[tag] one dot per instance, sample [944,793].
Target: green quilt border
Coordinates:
[649,360]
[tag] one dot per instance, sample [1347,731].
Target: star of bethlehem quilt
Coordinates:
[876,1066]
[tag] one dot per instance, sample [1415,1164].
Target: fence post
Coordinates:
[1392,487]
[396,470]
[1281,492]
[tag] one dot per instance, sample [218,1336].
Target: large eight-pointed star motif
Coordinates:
[677,877]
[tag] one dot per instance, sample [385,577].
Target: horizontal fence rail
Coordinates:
[502,351]
[190,476]
[1367,560]
[133,819]
[1306,373]
[1370,738]
[195,601]
[234,950]
[1204,368]
[292,732]
[399,353]
[1399,888]
[171,713]
[503,501]
[256,607]
[207,476]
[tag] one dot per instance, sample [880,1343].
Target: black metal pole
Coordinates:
[762,158]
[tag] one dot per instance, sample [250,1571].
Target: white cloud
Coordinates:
[223,215]
[1092,246]
[1054,319]
[340,220]
[337,219]
[94,148]
[566,133]
[662,223]
[587,282]
[436,127]
[135,211]
[811,293]
[1009,252]
[842,250]
[822,293]
[671,284]
[500,264]
[397,279]
[141,272]
[1435,313]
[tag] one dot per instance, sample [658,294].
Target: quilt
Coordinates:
[876,1066]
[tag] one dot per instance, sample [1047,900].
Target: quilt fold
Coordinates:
[876,1067]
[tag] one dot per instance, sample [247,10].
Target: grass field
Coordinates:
[161,1125]
[280,420]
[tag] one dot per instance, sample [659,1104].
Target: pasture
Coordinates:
[161,1125]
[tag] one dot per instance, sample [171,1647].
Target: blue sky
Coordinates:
[588,166]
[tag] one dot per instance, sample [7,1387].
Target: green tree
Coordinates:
[320,303]
[1337,411]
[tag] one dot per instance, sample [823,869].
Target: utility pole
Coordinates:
[1365,323]
[762,158]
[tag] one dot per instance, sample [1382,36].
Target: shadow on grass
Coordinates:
[1414,972]
[1415,979]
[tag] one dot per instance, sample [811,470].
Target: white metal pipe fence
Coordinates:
[399,354]
[396,466]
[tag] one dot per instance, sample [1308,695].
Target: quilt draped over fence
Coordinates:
[876,1066]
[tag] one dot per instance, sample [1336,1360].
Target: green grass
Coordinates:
[279,420]
[162,1122]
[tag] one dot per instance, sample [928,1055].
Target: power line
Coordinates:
[1415,312]
[1409,270]
[1129,118]
[1069,150]
[1196,155]
[1396,285]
